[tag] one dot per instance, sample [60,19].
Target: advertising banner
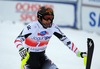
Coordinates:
[91,15]
[25,11]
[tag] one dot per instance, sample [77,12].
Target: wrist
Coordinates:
[78,54]
[19,47]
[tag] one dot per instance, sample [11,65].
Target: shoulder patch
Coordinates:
[28,27]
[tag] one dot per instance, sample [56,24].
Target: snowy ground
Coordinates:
[56,50]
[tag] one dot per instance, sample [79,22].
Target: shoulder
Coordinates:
[33,24]
[55,26]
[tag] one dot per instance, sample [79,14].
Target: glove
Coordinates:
[82,54]
[22,52]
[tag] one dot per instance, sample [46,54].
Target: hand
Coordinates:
[82,54]
[22,52]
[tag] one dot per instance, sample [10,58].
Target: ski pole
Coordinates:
[24,60]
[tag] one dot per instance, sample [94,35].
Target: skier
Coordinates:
[34,39]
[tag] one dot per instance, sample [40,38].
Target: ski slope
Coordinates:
[61,55]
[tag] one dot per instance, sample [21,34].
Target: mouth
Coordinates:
[47,25]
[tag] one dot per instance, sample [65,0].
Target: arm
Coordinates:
[19,41]
[22,36]
[68,43]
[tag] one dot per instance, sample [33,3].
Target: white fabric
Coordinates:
[40,37]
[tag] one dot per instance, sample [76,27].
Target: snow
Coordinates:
[61,55]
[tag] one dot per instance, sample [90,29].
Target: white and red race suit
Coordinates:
[36,38]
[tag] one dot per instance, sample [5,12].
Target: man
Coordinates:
[34,38]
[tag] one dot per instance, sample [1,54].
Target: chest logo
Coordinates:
[42,33]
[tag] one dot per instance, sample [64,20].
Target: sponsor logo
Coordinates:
[42,33]
[41,38]
[94,19]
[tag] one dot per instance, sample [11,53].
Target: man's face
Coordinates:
[47,21]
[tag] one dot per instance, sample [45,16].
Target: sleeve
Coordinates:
[22,36]
[65,40]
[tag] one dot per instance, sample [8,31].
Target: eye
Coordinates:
[48,17]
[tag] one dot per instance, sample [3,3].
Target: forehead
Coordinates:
[49,11]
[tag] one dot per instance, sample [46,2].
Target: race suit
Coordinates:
[36,38]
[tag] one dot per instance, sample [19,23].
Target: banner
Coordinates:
[26,11]
[91,15]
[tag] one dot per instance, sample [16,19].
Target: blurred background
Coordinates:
[78,19]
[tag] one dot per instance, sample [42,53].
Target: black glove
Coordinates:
[81,54]
[22,52]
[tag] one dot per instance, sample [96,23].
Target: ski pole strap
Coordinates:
[24,60]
